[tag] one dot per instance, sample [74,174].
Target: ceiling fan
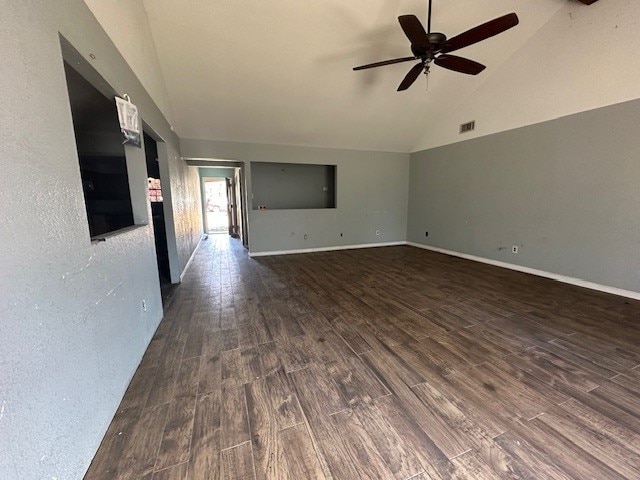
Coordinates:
[428,46]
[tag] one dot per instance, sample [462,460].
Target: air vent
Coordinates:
[467,127]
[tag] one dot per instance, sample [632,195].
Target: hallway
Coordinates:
[387,363]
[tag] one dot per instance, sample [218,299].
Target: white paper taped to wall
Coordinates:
[129,122]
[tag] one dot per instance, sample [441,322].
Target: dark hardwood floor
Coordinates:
[386,363]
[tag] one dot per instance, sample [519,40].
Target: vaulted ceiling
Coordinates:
[281,71]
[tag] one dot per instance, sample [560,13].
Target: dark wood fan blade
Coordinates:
[411,77]
[385,62]
[459,64]
[414,30]
[588,2]
[481,32]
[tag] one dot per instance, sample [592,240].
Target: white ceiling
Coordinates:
[281,71]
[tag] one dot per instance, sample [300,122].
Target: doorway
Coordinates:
[157,210]
[223,202]
[233,176]
[216,205]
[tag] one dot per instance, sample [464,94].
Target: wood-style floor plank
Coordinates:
[358,446]
[389,443]
[577,461]
[594,440]
[176,437]
[237,463]
[142,446]
[263,422]
[204,460]
[178,472]
[385,363]
[106,463]
[300,455]
[234,425]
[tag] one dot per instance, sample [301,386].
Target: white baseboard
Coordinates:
[193,254]
[326,249]
[519,268]
[533,271]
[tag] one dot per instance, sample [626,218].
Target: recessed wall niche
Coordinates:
[102,157]
[291,186]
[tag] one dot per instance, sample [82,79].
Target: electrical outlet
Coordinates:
[378,233]
[144,305]
[514,249]
[426,234]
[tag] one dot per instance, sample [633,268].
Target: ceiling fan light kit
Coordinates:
[432,47]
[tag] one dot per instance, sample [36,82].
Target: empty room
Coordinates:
[383,239]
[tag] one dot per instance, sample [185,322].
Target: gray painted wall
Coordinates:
[71,317]
[371,195]
[565,191]
[216,172]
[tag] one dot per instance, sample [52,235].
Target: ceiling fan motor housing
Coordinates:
[435,43]
[436,40]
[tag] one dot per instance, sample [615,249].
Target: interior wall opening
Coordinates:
[102,158]
[234,175]
[157,209]
[223,202]
[216,205]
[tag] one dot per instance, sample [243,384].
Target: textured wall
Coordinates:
[371,195]
[566,191]
[184,218]
[187,208]
[71,317]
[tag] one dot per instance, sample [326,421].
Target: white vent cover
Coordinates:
[467,127]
